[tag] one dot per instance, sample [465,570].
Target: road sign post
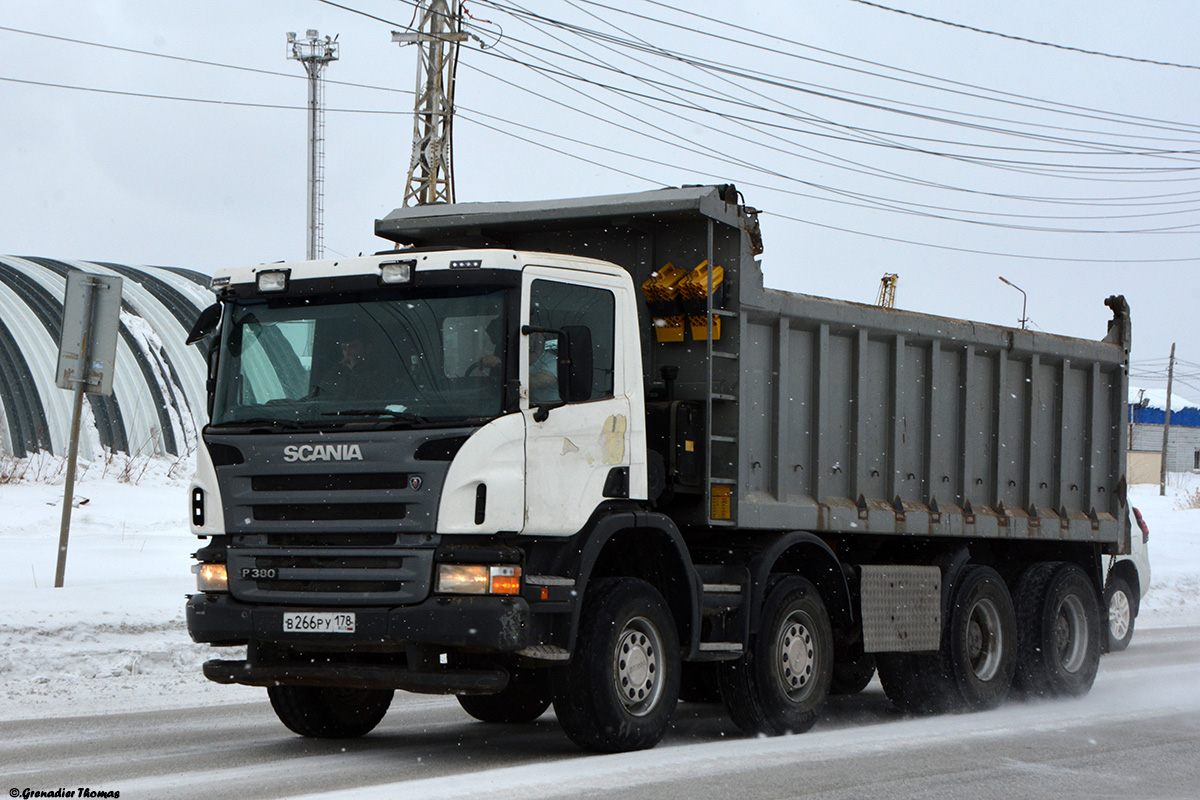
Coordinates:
[87,353]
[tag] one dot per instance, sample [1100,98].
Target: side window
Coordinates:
[562,306]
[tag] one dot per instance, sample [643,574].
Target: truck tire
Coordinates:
[780,685]
[973,668]
[852,676]
[979,644]
[620,688]
[699,683]
[325,712]
[1058,619]
[1119,599]
[524,699]
[913,682]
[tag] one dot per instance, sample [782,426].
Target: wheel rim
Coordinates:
[637,666]
[1070,634]
[795,656]
[985,647]
[1118,615]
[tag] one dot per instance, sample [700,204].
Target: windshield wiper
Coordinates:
[390,413]
[259,422]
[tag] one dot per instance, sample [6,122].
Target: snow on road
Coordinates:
[114,638]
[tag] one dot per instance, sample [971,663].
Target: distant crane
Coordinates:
[315,54]
[438,35]
[887,290]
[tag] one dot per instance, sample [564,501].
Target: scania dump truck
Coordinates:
[574,453]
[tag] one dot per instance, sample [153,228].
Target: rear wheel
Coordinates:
[780,685]
[852,675]
[620,688]
[914,683]
[973,668]
[328,712]
[699,682]
[524,699]
[1059,631]
[1119,599]
[980,651]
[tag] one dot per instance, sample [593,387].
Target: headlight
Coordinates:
[273,280]
[478,579]
[396,271]
[211,577]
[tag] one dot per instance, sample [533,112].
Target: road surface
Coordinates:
[1136,735]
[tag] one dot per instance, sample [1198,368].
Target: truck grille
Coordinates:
[347,482]
[324,512]
[331,533]
[333,576]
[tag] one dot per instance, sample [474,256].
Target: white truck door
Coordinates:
[571,450]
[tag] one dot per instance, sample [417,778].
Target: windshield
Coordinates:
[397,361]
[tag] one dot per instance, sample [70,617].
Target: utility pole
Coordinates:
[315,54]
[1162,477]
[438,36]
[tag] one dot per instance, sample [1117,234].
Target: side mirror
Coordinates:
[575,365]
[206,324]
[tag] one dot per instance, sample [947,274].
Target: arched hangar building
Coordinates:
[158,385]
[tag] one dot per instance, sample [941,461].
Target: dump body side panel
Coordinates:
[869,420]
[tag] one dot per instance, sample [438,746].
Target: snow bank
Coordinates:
[114,638]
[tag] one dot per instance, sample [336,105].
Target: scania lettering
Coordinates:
[322,452]
[574,453]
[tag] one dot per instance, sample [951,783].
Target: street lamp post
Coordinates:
[1024,300]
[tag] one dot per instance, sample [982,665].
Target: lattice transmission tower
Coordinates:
[315,54]
[438,35]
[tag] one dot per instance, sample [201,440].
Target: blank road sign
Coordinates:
[91,316]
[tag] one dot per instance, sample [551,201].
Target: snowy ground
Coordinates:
[113,639]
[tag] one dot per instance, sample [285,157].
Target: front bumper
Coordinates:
[352,675]
[489,623]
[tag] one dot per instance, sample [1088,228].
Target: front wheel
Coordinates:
[524,699]
[1120,613]
[326,712]
[780,685]
[620,688]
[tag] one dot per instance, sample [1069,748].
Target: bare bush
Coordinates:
[1188,499]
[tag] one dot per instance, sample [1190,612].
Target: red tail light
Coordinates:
[1142,524]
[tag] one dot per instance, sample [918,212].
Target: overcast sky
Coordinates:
[873,141]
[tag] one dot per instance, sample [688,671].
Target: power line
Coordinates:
[1025,39]
[867,201]
[202,100]
[857,167]
[1025,100]
[865,169]
[793,193]
[198,61]
[1067,170]
[1022,256]
[1079,172]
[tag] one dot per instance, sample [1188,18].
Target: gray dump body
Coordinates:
[839,417]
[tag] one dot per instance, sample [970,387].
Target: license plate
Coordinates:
[318,622]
